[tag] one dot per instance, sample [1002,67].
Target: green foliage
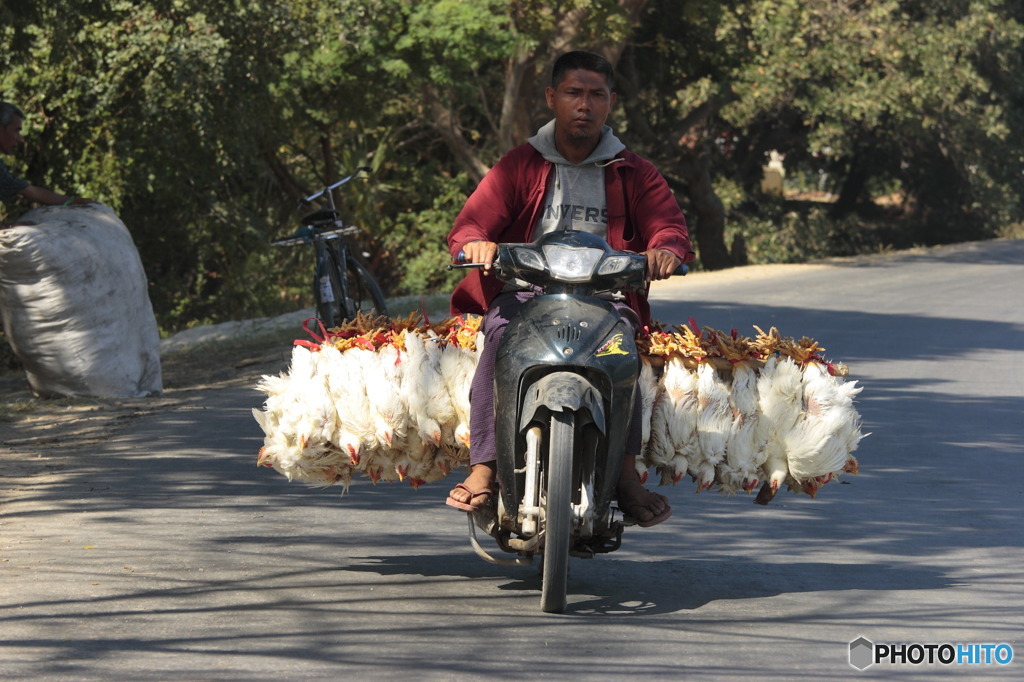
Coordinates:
[891,89]
[202,122]
[423,250]
[158,110]
[780,232]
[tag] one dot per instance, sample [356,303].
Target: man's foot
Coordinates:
[476,490]
[649,509]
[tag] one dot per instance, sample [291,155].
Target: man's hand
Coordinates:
[481,252]
[660,264]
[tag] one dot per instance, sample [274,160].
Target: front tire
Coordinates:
[558,512]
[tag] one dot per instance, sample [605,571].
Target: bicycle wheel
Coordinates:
[558,512]
[364,294]
[327,289]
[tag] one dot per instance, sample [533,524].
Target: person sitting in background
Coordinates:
[11,185]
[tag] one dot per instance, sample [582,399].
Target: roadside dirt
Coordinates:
[38,435]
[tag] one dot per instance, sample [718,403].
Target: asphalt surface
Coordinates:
[163,552]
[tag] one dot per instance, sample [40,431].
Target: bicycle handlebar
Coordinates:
[339,183]
[308,235]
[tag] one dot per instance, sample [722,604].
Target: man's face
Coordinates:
[581,103]
[10,136]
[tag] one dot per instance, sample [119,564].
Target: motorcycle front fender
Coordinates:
[560,391]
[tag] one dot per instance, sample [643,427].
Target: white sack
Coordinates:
[75,304]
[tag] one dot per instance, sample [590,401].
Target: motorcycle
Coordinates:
[565,383]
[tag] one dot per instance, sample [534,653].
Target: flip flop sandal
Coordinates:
[654,520]
[452,502]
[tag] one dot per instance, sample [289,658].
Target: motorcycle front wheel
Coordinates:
[558,512]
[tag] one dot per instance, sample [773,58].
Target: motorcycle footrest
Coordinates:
[602,544]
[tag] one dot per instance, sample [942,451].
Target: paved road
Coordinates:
[164,553]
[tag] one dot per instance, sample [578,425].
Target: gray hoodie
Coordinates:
[576,197]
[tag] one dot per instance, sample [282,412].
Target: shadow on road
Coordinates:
[623,587]
[192,530]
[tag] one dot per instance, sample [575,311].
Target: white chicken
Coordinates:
[659,450]
[369,380]
[383,381]
[743,454]
[457,366]
[297,420]
[447,458]
[401,412]
[820,444]
[356,427]
[779,395]
[674,422]
[414,461]
[417,380]
[714,423]
[438,408]
[648,393]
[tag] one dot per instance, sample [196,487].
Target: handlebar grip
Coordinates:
[681,270]
[459,263]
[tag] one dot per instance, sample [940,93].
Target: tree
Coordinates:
[858,91]
[918,96]
[160,110]
[464,85]
[203,121]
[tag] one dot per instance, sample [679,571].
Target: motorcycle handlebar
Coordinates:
[460,263]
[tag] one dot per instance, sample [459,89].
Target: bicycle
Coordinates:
[342,286]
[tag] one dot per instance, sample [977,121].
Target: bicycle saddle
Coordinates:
[324,215]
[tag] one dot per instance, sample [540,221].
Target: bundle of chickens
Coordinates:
[389,399]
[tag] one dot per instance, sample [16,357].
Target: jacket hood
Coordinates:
[607,147]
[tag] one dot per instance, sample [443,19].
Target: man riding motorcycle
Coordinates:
[576,174]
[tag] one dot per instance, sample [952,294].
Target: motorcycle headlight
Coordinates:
[528,258]
[613,265]
[570,263]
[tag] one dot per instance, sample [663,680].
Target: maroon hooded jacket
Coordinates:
[642,214]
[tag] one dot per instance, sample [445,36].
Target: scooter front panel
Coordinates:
[557,333]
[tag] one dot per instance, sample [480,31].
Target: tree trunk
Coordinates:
[692,166]
[708,228]
[852,188]
[443,121]
[514,124]
[330,164]
[520,92]
[283,176]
